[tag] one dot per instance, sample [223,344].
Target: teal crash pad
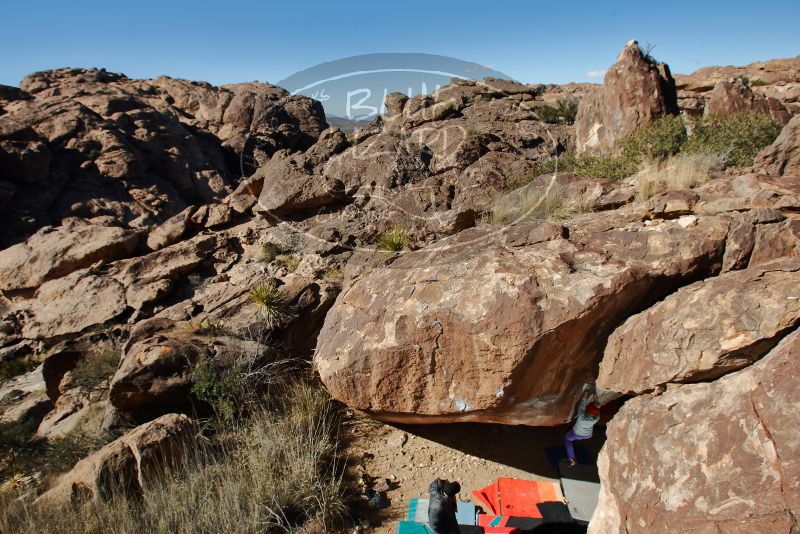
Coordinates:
[466,513]
[413,527]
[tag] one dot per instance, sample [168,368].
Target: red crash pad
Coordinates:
[515,497]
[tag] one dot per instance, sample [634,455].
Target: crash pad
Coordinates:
[514,497]
[416,527]
[418,511]
[499,521]
[413,527]
[581,484]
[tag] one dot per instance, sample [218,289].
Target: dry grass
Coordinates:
[682,171]
[272,473]
[532,203]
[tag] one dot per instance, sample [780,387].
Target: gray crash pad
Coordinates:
[581,485]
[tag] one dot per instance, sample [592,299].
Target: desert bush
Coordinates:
[588,165]
[206,327]
[739,136]
[16,367]
[272,473]
[660,139]
[393,240]
[269,251]
[233,382]
[96,368]
[682,171]
[289,261]
[563,112]
[758,83]
[270,303]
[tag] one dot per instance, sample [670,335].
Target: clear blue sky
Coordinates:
[532,41]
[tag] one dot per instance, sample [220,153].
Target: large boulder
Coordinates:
[156,370]
[733,96]
[636,90]
[782,157]
[126,465]
[677,340]
[53,252]
[297,182]
[707,457]
[73,303]
[501,324]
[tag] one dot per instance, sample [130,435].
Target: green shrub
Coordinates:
[563,112]
[758,83]
[16,367]
[588,165]
[96,368]
[739,136]
[269,251]
[393,240]
[658,140]
[270,303]
[218,386]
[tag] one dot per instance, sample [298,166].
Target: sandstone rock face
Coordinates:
[69,305]
[91,143]
[732,96]
[635,91]
[677,340]
[55,252]
[483,326]
[126,464]
[297,183]
[783,156]
[714,457]
[777,78]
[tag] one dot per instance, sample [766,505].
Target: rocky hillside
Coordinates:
[154,225]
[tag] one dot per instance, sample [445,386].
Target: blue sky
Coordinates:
[533,41]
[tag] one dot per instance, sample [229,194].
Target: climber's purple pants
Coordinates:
[568,439]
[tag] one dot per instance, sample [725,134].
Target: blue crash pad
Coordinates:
[466,513]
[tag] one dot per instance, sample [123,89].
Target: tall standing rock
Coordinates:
[636,90]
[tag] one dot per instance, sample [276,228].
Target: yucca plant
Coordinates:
[270,303]
[393,240]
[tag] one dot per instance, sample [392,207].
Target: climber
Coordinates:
[588,415]
[442,506]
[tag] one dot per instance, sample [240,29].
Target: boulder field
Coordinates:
[142,219]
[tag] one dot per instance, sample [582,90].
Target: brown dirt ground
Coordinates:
[410,457]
